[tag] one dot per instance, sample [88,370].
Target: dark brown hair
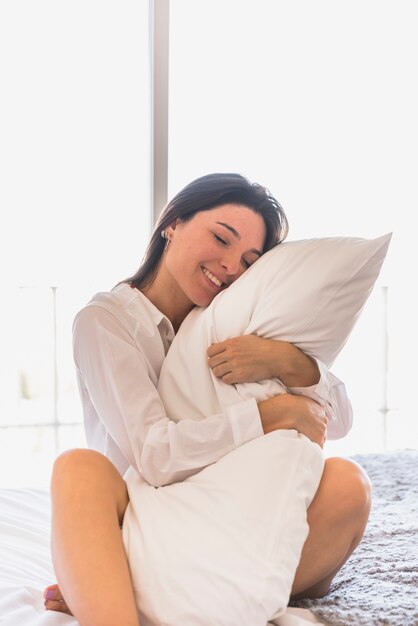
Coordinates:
[202,194]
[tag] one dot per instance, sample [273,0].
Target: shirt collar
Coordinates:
[131,295]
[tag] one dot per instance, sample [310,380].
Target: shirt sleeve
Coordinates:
[114,371]
[331,393]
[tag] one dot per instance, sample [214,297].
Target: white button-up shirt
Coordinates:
[120,340]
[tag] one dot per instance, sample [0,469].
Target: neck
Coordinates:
[174,305]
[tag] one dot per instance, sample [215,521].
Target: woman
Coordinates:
[212,231]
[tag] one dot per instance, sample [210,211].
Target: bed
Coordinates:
[309,292]
[377,587]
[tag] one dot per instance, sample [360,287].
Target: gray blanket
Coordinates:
[378,586]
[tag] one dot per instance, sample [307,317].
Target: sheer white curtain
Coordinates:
[75,202]
[317,101]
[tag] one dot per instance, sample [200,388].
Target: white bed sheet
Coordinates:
[26,568]
[25,561]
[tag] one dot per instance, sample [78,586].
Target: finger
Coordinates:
[219,359]
[230,379]
[216,348]
[221,370]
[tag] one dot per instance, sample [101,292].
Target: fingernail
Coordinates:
[49,594]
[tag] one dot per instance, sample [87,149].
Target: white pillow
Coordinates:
[308,292]
[222,547]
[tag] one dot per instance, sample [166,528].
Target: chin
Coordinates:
[201,296]
[204,300]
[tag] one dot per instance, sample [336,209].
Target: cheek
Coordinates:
[240,272]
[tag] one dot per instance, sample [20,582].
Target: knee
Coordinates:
[75,467]
[352,485]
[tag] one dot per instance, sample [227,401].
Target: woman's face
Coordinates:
[211,250]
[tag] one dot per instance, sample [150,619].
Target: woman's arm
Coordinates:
[331,394]
[303,414]
[251,358]
[125,418]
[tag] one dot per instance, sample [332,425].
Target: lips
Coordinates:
[213,279]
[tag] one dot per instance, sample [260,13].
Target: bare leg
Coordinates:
[337,519]
[89,499]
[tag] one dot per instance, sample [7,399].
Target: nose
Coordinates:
[231,262]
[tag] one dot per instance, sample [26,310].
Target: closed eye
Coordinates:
[221,241]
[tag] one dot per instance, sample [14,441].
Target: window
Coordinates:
[75,191]
[315,100]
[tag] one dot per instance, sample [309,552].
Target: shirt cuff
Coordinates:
[321,392]
[318,392]
[245,421]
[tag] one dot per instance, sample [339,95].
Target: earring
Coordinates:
[164,235]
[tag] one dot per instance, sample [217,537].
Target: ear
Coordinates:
[169,230]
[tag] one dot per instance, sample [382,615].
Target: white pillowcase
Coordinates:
[308,292]
[222,547]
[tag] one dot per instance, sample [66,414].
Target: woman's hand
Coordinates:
[244,359]
[54,601]
[287,411]
[250,358]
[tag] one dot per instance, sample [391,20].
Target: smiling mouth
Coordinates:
[212,278]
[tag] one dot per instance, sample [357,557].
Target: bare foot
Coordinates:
[54,601]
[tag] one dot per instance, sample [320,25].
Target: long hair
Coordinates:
[203,194]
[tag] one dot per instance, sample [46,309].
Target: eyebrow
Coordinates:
[238,236]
